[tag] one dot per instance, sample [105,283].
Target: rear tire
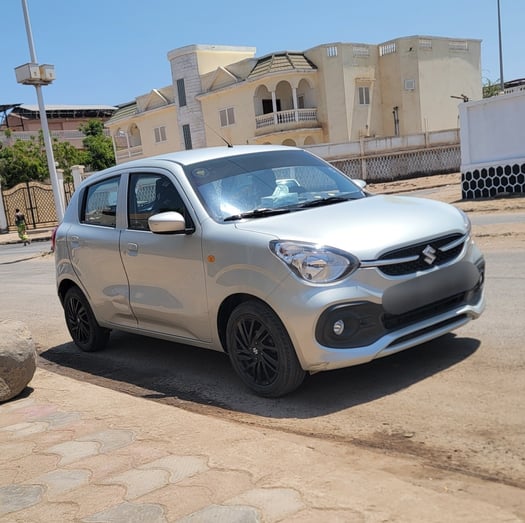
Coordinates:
[261,351]
[87,334]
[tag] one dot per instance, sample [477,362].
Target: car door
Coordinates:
[93,244]
[165,271]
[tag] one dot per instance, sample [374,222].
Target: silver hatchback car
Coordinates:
[267,253]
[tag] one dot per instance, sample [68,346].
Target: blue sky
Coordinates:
[108,51]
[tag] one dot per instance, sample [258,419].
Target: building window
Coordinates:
[181,90]
[425,43]
[361,51]
[160,134]
[461,45]
[187,136]
[227,117]
[364,95]
[267,105]
[331,50]
[410,85]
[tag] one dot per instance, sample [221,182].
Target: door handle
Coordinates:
[133,248]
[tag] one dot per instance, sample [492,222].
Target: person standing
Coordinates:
[20,222]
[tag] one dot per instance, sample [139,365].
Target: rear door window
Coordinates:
[100,203]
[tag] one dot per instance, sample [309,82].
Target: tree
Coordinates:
[24,161]
[99,148]
[66,155]
[491,88]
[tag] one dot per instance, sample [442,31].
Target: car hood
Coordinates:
[367,227]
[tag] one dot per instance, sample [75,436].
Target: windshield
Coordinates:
[258,184]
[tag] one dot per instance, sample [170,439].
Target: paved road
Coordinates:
[495,218]
[455,403]
[17,251]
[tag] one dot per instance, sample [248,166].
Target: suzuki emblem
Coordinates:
[430,254]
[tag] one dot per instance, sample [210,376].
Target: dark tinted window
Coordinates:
[100,203]
[150,194]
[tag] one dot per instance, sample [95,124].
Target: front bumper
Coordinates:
[356,324]
[369,325]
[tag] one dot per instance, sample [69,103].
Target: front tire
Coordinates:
[261,351]
[87,334]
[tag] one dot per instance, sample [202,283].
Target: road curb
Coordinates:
[15,241]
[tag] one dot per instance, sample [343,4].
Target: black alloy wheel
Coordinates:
[87,334]
[261,351]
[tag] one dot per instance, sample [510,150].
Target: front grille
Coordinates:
[397,321]
[441,253]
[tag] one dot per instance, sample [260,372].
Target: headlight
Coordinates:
[314,263]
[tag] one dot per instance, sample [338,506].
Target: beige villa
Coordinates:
[331,93]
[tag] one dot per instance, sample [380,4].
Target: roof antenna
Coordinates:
[219,135]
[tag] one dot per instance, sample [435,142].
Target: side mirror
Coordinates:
[167,222]
[360,183]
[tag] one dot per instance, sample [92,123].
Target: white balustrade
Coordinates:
[286,117]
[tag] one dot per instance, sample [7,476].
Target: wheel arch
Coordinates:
[227,307]
[64,286]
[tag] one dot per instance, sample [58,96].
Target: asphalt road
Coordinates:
[493,218]
[455,403]
[16,252]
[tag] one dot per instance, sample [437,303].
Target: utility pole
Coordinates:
[39,75]
[502,83]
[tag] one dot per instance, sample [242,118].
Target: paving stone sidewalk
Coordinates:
[73,451]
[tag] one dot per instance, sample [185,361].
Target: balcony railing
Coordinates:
[288,119]
[126,154]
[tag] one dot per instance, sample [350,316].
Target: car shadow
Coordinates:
[179,374]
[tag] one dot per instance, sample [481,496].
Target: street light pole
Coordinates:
[502,83]
[57,192]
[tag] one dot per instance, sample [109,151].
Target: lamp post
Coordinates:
[39,75]
[502,83]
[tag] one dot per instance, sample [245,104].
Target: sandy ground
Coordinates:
[447,188]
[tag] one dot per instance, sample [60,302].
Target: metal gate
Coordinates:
[36,201]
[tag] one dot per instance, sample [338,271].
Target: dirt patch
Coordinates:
[447,188]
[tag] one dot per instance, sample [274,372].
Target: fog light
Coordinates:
[338,327]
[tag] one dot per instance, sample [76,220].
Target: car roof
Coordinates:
[211,153]
[188,157]
[192,156]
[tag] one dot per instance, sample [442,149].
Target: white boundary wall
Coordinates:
[492,133]
[395,157]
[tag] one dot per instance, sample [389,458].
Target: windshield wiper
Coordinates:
[256,213]
[325,201]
